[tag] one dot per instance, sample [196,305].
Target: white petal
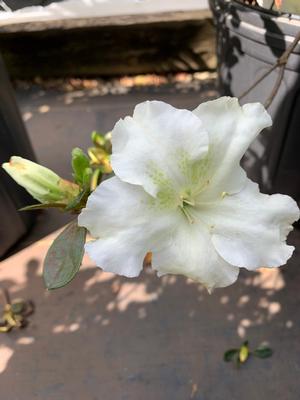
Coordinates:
[231,129]
[120,254]
[114,205]
[122,218]
[153,147]
[190,252]
[249,229]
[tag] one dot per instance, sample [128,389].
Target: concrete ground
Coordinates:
[108,338]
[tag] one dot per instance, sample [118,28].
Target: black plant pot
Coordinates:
[18,4]
[13,141]
[249,41]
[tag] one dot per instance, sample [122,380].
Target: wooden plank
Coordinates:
[119,20]
[123,48]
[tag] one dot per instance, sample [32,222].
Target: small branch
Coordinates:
[6,296]
[280,63]
[272,5]
[276,87]
[264,75]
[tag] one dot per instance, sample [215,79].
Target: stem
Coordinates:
[6,296]
[264,75]
[276,87]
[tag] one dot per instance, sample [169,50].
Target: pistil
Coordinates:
[187,214]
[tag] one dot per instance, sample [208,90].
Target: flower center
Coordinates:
[186,206]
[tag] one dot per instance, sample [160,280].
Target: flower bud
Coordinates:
[43,184]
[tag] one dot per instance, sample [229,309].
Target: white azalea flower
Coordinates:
[180,193]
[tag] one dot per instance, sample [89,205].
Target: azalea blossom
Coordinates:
[181,194]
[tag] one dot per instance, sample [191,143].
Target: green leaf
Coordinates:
[87,176]
[230,354]
[244,353]
[80,162]
[43,206]
[263,352]
[64,257]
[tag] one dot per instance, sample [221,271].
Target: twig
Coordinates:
[280,63]
[6,296]
[264,75]
[276,87]
[272,5]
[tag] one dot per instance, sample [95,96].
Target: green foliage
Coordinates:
[230,355]
[89,170]
[64,257]
[263,352]
[86,178]
[80,163]
[240,355]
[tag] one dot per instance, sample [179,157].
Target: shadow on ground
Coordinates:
[104,337]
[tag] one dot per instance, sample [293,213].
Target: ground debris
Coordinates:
[15,313]
[183,81]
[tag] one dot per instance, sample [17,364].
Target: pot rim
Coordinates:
[264,12]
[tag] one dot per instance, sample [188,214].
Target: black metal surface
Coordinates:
[18,4]
[13,141]
[249,42]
